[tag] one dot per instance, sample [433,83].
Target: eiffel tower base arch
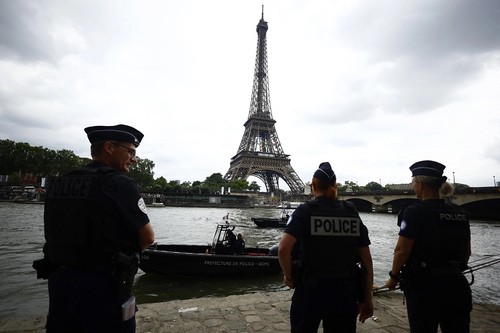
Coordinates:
[266,168]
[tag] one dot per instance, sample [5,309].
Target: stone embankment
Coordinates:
[259,312]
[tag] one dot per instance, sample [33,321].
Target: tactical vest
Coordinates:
[330,246]
[79,229]
[443,239]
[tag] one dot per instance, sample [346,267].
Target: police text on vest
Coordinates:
[335,226]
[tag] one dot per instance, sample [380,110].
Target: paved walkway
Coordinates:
[260,312]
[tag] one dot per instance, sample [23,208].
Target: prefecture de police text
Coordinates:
[335,226]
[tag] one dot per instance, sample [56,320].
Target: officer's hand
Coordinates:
[391,283]
[289,283]
[365,311]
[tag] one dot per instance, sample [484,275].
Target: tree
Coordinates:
[349,186]
[7,166]
[215,182]
[186,186]
[254,187]
[239,184]
[142,173]
[65,161]
[20,158]
[373,186]
[159,185]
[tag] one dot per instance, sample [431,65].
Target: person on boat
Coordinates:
[239,245]
[319,252]
[95,226]
[432,250]
[229,242]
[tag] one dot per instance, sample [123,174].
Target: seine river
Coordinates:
[21,229]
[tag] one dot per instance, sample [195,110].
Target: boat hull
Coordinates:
[194,260]
[269,222]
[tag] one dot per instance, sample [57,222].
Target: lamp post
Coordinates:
[453,177]
[494,182]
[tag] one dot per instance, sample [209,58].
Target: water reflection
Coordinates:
[152,288]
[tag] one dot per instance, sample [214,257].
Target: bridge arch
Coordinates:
[481,203]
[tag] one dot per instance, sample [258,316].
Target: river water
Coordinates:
[21,229]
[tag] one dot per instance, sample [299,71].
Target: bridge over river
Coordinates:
[480,202]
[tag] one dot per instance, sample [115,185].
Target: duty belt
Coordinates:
[335,274]
[443,270]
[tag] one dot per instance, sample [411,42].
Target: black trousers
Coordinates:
[443,300]
[83,301]
[332,300]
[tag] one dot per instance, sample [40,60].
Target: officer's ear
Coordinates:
[108,147]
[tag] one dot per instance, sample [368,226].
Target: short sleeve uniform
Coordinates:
[121,195]
[409,226]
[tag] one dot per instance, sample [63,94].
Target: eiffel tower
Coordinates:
[260,153]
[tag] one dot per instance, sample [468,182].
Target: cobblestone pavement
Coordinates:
[259,312]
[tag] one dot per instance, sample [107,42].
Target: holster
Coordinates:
[44,268]
[410,275]
[303,275]
[125,267]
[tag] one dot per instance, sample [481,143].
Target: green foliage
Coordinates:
[373,186]
[215,182]
[20,158]
[349,186]
[239,184]
[159,185]
[142,173]
[7,148]
[254,187]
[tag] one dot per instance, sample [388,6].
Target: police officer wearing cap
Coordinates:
[95,227]
[432,250]
[323,242]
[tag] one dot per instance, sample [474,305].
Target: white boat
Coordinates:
[289,205]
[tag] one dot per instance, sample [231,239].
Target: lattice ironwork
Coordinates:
[260,153]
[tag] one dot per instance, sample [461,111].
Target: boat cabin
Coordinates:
[224,239]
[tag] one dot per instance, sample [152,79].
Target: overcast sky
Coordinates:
[370,86]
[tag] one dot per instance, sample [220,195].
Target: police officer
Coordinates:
[432,250]
[95,226]
[323,241]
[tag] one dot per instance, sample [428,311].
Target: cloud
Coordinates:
[431,46]
[370,86]
[28,33]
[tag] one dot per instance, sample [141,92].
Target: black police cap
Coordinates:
[427,168]
[325,172]
[123,133]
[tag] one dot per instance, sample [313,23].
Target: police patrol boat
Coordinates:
[209,260]
[265,222]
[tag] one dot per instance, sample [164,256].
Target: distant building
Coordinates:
[307,188]
[399,187]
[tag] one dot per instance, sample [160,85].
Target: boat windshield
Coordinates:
[220,235]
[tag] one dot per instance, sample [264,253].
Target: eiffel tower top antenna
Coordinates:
[262,13]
